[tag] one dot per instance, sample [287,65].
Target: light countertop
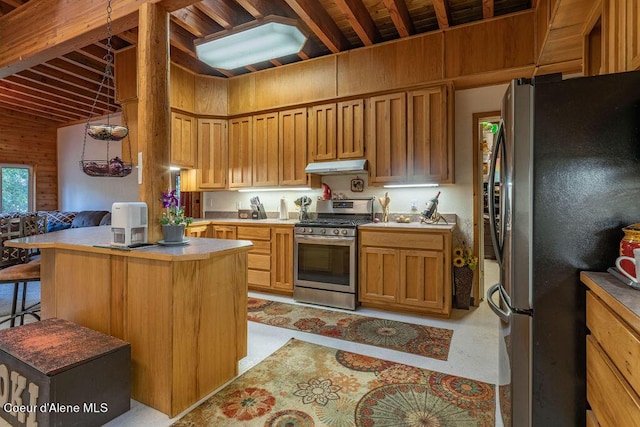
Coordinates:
[98,239]
[622,298]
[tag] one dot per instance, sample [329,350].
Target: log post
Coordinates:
[154,113]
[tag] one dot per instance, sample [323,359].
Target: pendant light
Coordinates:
[108,167]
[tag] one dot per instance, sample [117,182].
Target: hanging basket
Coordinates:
[115,168]
[107,132]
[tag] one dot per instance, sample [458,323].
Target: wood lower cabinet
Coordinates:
[282,258]
[613,352]
[406,270]
[223,232]
[198,230]
[270,261]
[183,140]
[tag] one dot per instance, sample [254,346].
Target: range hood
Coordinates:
[338,167]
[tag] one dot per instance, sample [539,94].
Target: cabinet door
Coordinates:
[387,138]
[633,35]
[265,150]
[293,146]
[224,232]
[322,132]
[422,279]
[282,258]
[378,274]
[212,153]
[183,140]
[240,147]
[427,136]
[351,129]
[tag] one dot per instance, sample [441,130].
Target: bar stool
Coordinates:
[16,264]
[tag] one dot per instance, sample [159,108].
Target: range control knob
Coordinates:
[344,232]
[309,230]
[336,231]
[323,231]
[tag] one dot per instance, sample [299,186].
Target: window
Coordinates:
[16,188]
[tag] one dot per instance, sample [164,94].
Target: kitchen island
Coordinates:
[182,308]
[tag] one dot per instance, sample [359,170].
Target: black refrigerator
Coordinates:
[567,163]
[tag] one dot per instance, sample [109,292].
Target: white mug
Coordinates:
[636,262]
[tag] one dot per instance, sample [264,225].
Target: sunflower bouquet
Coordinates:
[462,255]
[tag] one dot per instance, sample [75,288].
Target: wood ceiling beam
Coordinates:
[258,8]
[21,104]
[319,21]
[88,74]
[441,7]
[35,98]
[37,116]
[60,85]
[358,16]
[12,3]
[36,93]
[227,14]
[130,36]
[193,20]
[71,80]
[487,9]
[82,62]
[400,16]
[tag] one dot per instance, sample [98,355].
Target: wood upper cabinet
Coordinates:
[387,138]
[322,132]
[351,129]
[410,137]
[282,258]
[336,131]
[406,270]
[183,140]
[240,152]
[292,132]
[265,150]
[212,154]
[429,150]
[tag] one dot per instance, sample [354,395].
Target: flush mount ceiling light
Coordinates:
[268,39]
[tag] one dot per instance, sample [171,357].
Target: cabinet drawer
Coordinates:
[259,278]
[254,233]
[261,247]
[610,396]
[259,261]
[621,344]
[402,240]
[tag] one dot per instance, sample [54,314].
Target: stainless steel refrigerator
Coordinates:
[567,170]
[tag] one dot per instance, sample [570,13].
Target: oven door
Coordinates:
[327,263]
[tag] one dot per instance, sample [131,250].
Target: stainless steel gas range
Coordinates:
[326,253]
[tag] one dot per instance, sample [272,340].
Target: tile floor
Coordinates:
[473,351]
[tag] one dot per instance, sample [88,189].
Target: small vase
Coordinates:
[173,232]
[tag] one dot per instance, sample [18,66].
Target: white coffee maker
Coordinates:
[129,223]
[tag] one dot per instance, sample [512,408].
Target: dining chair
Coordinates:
[17,266]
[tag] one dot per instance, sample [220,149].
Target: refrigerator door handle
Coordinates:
[495,236]
[503,315]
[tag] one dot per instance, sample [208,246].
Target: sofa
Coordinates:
[61,220]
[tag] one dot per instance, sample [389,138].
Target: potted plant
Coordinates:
[464,262]
[173,220]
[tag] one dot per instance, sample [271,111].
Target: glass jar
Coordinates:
[629,242]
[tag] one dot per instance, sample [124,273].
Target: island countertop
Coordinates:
[98,240]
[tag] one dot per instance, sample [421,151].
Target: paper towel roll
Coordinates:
[284,212]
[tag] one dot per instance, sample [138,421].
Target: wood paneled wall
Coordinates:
[28,140]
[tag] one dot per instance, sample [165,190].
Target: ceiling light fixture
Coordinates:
[267,39]
[409,185]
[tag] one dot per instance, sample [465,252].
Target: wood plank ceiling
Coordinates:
[63,89]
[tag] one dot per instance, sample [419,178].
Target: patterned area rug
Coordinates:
[304,384]
[417,339]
